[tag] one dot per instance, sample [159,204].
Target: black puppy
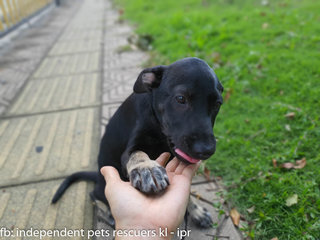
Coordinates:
[173,109]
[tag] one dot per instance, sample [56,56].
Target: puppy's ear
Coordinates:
[149,78]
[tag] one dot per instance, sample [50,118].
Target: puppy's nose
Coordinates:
[203,151]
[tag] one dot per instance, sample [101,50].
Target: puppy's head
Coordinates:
[186,100]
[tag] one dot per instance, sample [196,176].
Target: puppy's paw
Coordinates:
[103,213]
[149,179]
[201,217]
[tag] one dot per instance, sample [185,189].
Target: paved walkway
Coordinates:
[60,82]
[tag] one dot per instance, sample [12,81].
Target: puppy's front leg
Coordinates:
[146,175]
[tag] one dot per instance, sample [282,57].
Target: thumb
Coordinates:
[110,174]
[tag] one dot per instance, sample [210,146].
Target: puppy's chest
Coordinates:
[153,145]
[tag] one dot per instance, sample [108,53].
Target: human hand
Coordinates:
[132,209]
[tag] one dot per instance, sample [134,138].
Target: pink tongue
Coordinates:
[186,157]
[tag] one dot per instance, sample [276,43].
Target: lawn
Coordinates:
[266,53]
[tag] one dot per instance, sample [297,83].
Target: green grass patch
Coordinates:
[267,55]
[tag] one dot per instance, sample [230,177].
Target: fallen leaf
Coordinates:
[235,216]
[298,165]
[228,94]
[218,178]
[290,115]
[301,163]
[287,165]
[292,200]
[216,57]
[251,210]
[274,163]
[207,173]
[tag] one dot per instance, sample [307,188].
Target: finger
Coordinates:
[172,165]
[163,159]
[190,170]
[181,167]
[110,174]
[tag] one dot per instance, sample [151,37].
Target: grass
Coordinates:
[267,55]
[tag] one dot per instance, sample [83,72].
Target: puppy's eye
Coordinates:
[181,99]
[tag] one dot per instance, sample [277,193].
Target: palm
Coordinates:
[164,210]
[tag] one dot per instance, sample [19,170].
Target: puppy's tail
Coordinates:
[87,176]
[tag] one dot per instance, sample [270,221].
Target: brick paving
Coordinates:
[60,82]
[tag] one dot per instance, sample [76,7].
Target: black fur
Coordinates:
[89,176]
[172,106]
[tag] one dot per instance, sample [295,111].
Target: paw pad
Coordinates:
[149,180]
